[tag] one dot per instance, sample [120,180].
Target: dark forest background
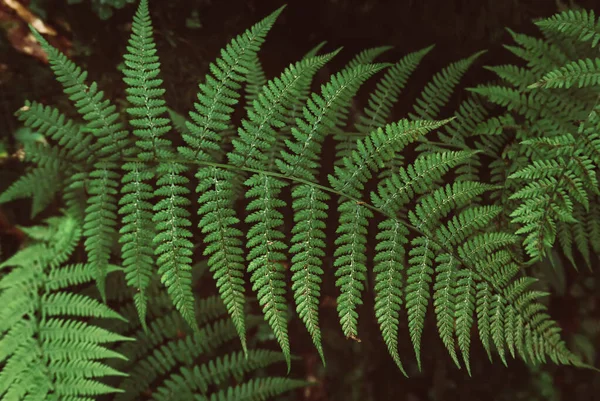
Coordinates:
[189,34]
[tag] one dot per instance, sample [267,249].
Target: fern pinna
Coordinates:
[440,238]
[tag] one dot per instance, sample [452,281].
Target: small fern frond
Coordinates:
[46,349]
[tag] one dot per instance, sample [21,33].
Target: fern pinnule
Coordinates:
[446,271]
[392,235]
[465,305]
[223,240]
[255,80]
[266,255]
[172,243]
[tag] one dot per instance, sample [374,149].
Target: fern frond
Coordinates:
[46,349]
[41,183]
[256,389]
[219,370]
[50,122]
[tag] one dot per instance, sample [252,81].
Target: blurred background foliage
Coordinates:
[189,34]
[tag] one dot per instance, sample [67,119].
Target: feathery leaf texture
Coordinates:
[444,235]
[48,347]
[558,140]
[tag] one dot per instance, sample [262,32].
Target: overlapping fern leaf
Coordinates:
[169,361]
[48,348]
[559,135]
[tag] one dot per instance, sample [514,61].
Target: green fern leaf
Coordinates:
[580,24]
[47,350]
